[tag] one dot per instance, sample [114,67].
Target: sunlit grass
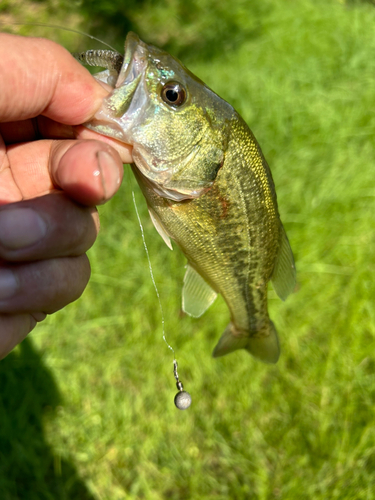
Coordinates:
[304,428]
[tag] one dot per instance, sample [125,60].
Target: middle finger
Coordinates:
[46,227]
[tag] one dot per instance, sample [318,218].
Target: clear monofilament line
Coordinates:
[182,400]
[152,277]
[64,28]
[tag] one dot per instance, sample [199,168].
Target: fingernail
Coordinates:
[110,175]
[20,227]
[8,284]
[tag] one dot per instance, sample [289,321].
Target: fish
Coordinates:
[207,186]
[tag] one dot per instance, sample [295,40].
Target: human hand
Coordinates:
[52,174]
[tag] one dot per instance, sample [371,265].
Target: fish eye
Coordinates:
[173,93]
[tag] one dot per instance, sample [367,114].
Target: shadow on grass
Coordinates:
[28,468]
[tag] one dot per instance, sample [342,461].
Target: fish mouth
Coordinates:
[122,107]
[135,59]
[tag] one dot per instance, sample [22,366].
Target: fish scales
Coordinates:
[208,188]
[226,251]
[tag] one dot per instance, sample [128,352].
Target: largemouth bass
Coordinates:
[207,187]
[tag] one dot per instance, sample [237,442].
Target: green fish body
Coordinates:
[208,188]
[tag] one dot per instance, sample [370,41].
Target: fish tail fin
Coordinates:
[230,341]
[265,347]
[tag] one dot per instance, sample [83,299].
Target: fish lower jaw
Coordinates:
[108,131]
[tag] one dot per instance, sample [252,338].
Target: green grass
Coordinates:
[86,403]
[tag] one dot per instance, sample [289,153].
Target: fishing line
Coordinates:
[152,276]
[45,25]
[182,399]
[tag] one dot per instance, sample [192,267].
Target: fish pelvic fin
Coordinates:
[265,347]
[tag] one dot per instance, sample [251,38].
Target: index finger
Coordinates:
[39,77]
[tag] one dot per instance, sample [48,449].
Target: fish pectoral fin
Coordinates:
[159,228]
[197,295]
[284,273]
[266,348]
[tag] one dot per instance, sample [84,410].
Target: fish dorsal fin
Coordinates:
[159,228]
[284,273]
[197,295]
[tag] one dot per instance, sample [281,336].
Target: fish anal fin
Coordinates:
[284,273]
[197,295]
[266,348]
[159,228]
